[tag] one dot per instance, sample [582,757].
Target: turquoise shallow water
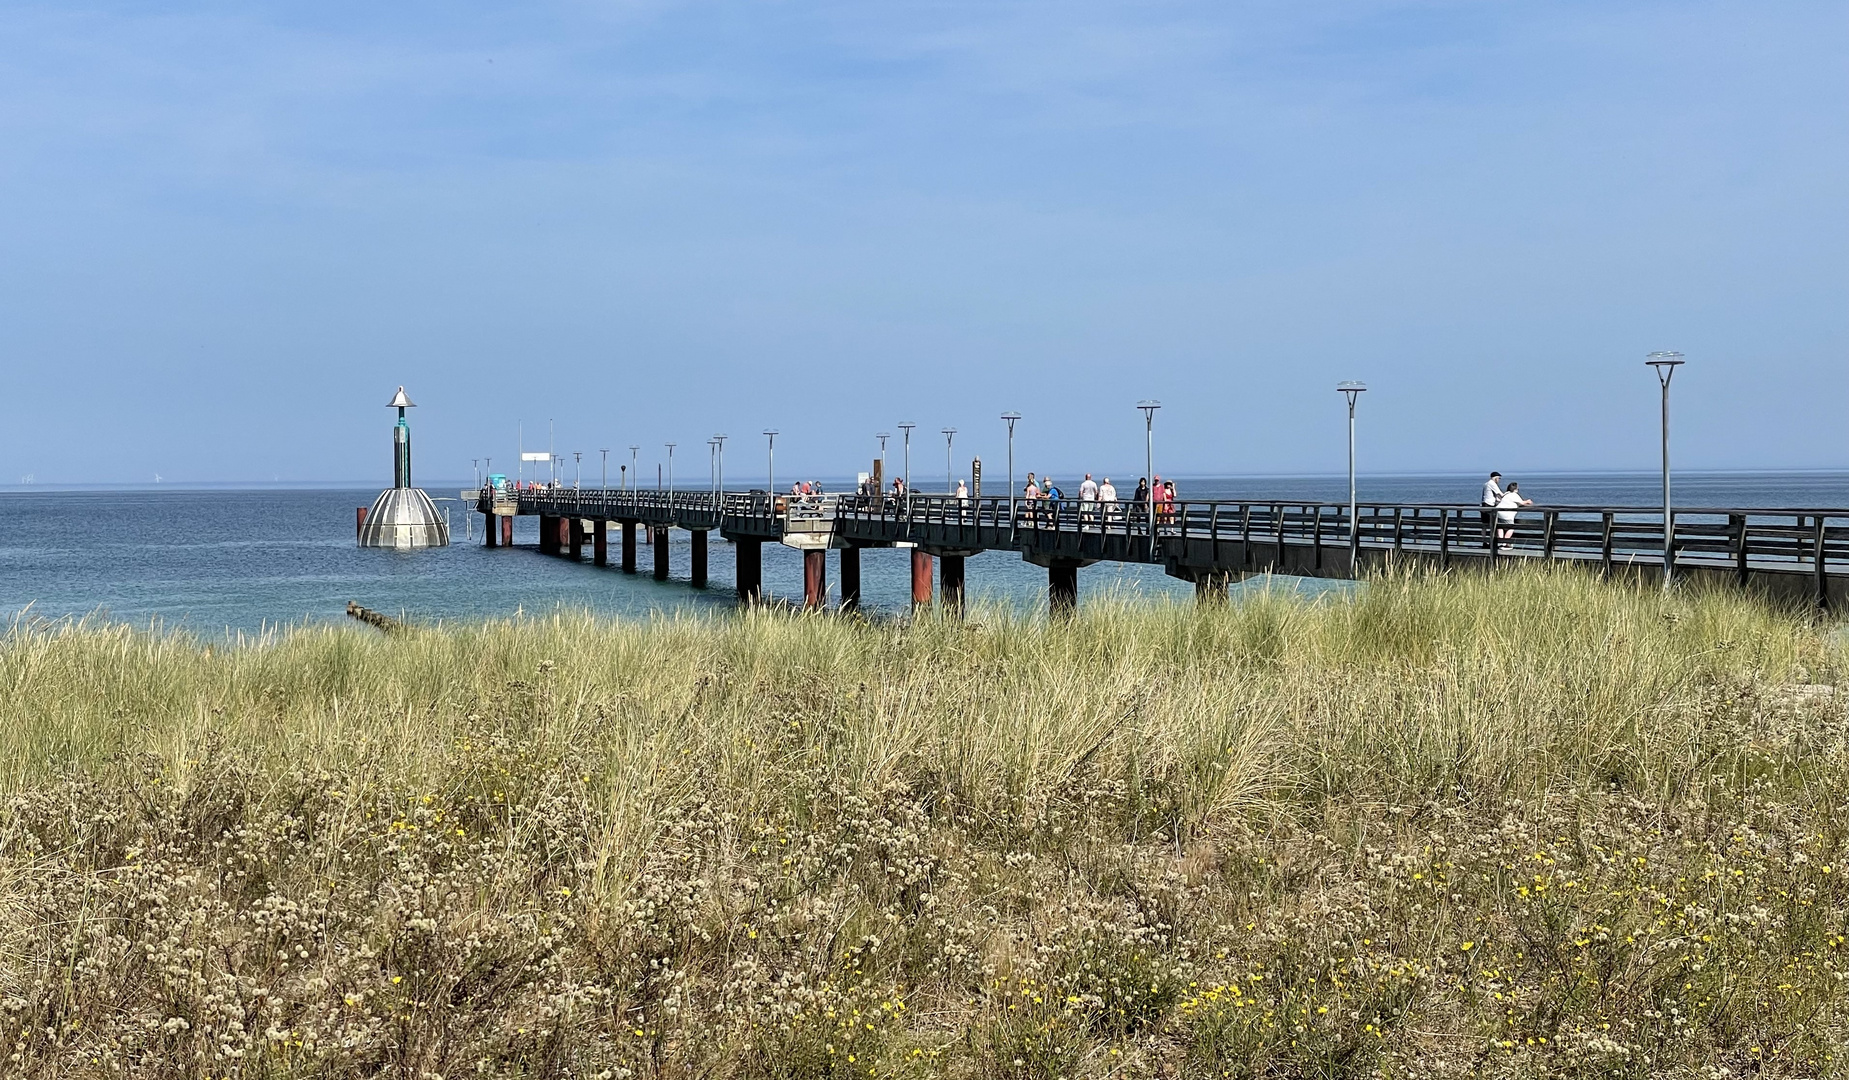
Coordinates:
[218,561]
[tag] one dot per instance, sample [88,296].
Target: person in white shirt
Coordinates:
[1107,497]
[1088,498]
[1492,496]
[1505,510]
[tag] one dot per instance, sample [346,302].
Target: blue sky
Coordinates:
[230,230]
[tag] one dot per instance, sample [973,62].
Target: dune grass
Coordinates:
[1521,825]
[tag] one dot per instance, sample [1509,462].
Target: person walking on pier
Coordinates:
[1492,497]
[1139,501]
[1107,498]
[1088,498]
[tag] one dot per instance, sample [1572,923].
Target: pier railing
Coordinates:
[1743,540]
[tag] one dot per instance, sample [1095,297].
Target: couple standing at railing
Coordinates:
[1501,504]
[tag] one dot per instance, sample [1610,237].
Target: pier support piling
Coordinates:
[507,530]
[950,583]
[698,537]
[921,578]
[574,536]
[490,530]
[629,547]
[658,539]
[850,579]
[1062,587]
[548,534]
[600,544]
[750,575]
[815,578]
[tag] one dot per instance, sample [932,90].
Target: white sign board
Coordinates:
[532,455]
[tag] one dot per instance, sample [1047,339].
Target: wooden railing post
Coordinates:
[1736,524]
[1245,533]
[1316,537]
[1444,538]
[1398,518]
[1547,534]
[1823,581]
[1606,569]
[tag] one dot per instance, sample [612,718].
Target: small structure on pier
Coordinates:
[403,516]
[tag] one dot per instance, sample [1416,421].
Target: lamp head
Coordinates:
[1664,363]
[400,401]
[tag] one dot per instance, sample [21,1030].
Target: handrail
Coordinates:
[1743,538]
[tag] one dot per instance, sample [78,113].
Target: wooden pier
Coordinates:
[1798,554]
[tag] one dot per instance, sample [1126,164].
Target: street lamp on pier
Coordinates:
[670,447]
[906,426]
[1149,407]
[635,490]
[882,437]
[577,458]
[770,467]
[1665,364]
[719,467]
[1352,391]
[950,465]
[604,482]
[1011,417]
[476,464]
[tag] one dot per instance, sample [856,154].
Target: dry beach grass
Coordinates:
[1528,825]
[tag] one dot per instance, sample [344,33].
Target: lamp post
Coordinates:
[1665,364]
[670,447]
[475,463]
[770,467]
[635,490]
[906,427]
[719,466]
[604,481]
[882,437]
[1352,391]
[950,465]
[558,468]
[577,458]
[1011,417]
[1149,408]
[712,466]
